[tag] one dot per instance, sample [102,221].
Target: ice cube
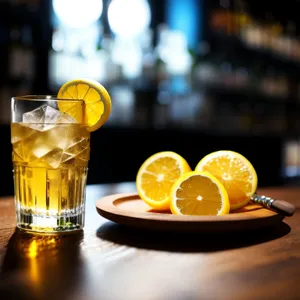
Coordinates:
[19,132]
[63,135]
[65,118]
[42,114]
[79,145]
[41,150]
[53,158]
[45,117]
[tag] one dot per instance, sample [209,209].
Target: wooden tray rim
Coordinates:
[106,205]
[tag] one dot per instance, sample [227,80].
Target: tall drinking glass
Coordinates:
[50,157]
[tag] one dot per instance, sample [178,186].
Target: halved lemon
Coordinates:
[235,172]
[157,175]
[97,102]
[199,193]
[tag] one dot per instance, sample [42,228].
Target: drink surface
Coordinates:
[50,171]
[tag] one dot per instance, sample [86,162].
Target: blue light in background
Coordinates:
[185,15]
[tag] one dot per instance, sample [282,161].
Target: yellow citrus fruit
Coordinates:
[235,172]
[199,193]
[156,177]
[97,103]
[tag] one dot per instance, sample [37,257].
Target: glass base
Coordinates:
[66,221]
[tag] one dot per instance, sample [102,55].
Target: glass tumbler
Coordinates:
[50,153]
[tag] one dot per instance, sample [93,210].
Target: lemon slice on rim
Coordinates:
[199,194]
[97,102]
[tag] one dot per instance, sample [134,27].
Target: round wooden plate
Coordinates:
[129,209]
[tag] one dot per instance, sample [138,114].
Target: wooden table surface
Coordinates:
[108,261]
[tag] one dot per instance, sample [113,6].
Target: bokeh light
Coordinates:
[77,13]
[129,18]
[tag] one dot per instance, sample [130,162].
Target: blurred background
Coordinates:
[190,76]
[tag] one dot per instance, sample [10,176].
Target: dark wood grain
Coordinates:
[109,261]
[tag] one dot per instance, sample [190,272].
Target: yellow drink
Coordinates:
[50,172]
